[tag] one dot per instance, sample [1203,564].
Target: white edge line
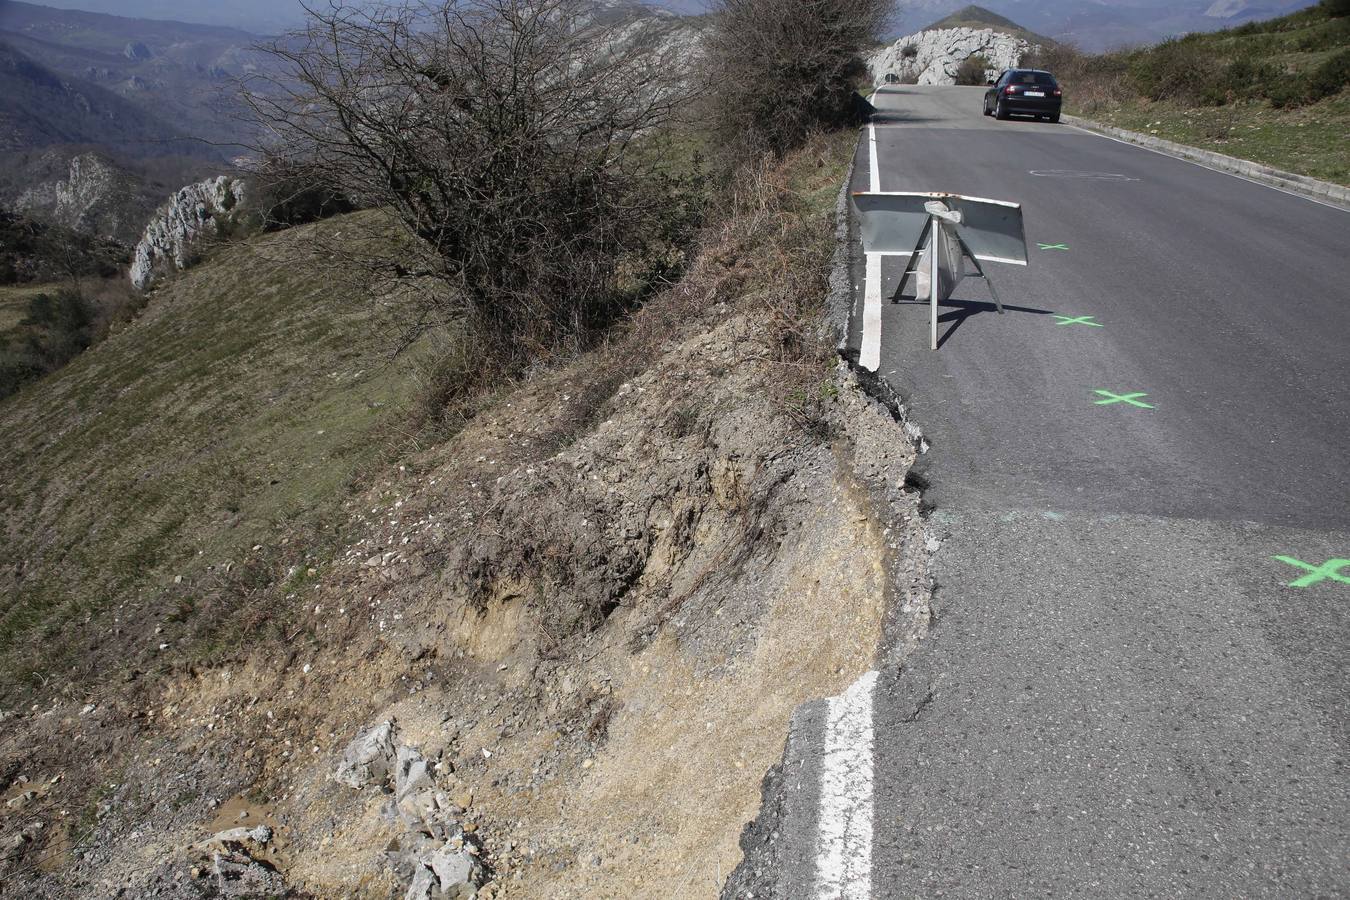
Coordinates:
[845,810]
[869,352]
[1089,131]
[873,164]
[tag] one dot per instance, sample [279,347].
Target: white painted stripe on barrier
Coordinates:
[869,355]
[844,840]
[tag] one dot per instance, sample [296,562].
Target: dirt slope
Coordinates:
[589,614]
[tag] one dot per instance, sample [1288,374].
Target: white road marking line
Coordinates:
[844,841]
[1210,168]
[874,165]
[869,355]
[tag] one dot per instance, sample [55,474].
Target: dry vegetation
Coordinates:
[503,135]
[782,69]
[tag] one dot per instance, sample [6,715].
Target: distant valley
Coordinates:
[102,117]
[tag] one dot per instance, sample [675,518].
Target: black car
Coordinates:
[1024,91]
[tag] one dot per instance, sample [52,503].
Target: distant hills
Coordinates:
[102,117]
[266,17]
[147,81]
[40,107]
[978,17]
[1096,25]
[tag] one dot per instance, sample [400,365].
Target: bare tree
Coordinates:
[502,134]
[779,69]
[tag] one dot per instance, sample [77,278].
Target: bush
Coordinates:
[56,328]
[973,70]
[779,70]
[1176,70]
[1309,87]
[504,135]
[1241,79]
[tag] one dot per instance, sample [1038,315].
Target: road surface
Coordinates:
[1126,691]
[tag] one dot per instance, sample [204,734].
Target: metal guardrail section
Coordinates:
[893,221]
[948,229]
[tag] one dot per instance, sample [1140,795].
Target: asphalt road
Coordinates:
[1122,695]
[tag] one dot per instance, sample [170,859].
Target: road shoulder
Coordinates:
[1312,188]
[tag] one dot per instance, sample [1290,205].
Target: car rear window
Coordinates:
[1043,78]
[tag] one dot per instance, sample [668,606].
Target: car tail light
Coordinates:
[1010,89]
[1058,92]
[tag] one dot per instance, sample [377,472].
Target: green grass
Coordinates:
[14,302]
[1274,92]
[1310,140]
[242,405]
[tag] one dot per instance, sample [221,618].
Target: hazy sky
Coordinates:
[258,16]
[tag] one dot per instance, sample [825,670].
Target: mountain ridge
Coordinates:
[974,16]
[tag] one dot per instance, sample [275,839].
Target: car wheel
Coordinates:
[1000,111]
[986,107]
[1054,118]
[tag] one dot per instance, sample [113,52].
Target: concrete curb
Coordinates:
[1323,191]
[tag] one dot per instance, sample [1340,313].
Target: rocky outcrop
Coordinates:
[932,57]
[437,856]
[190,215]
[95,196]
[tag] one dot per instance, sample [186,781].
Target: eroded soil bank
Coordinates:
[586,620]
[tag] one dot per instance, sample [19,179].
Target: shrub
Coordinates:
[909,51]
[281,199]
[56,328]
[778,70]
[503,136]
[1309,87]
[973,70]
[1175,70]
[1241,79]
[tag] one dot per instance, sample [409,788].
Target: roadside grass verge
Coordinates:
[1275,92]
[1309,140]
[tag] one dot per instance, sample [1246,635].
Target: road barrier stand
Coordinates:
[944,230]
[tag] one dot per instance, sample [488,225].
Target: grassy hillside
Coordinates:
[155,472]
[1274,91]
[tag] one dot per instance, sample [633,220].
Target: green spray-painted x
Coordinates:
[1052,246]
[1078,320]
[1132,399]
[1329,569]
